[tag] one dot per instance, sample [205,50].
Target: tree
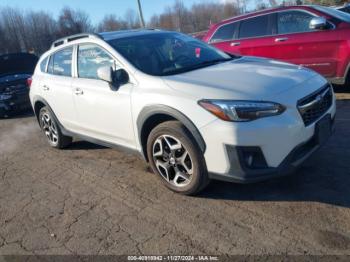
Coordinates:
[41,30]
[73,22]
[131,19]
[111,23]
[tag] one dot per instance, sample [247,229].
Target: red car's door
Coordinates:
[255,37]
[296,43]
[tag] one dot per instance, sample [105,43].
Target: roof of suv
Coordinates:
[106,36]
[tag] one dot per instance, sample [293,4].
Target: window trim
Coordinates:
[274,13]
[116,62]
[52,54]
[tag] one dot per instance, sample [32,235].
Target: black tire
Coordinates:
[51,129]
[197,177]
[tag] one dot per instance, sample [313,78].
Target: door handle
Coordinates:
[78,91]
[281,39]
[235,44]
[46,88]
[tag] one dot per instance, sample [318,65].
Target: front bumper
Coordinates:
[240,172]
[284,141]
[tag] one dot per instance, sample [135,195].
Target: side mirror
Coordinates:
[120,77]
[114,78]
[318,23]
[105,73]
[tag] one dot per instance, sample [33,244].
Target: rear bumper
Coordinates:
[239,173]
[11,106]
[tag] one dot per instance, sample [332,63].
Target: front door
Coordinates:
[103,113]
[298,44]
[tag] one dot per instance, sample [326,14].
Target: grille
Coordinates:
[315,105]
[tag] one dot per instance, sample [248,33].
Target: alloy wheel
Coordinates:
[172,160]
[49,128]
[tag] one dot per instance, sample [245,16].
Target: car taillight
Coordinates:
[29,82]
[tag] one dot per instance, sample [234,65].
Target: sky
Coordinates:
[97,8]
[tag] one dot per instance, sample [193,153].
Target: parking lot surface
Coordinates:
[89,199]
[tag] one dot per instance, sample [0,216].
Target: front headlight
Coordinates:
[5,97]
[239,111]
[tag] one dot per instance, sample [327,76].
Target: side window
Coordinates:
[90,59]
[43,65]
[255,27]
[61,62]
[293,22]
[225,32]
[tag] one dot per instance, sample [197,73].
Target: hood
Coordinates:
[243,78]
[18,63]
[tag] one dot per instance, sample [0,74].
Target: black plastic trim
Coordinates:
[150,111]
[83,137]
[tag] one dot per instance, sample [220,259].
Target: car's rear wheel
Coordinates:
[52,130]
[176,158]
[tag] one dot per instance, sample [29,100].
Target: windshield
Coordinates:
[334,12]
[167,53]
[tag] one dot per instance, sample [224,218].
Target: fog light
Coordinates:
[252,157]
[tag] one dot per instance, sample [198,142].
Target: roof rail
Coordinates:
[67,39]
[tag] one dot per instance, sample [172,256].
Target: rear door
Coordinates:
[296,43]
[56,87]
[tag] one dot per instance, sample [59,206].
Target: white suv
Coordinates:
[192,111]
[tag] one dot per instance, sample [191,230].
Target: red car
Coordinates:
[312,36]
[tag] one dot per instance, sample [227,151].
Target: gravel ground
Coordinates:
[89,199]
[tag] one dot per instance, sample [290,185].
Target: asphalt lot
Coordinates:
[89,199]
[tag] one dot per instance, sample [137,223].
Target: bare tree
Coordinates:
[73,22]
[111,23]
[131,19]
[41,30]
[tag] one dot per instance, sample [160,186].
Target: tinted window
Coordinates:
[225,32]
[254,27]
[91,58]
[61,62]
[293,22]
[43,65]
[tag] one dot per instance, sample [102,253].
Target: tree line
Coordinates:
[34,31]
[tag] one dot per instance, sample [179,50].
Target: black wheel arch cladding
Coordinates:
[166,113]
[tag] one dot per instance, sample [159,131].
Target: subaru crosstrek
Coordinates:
[194,112]
[316,37]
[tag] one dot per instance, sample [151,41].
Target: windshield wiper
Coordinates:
[197,66]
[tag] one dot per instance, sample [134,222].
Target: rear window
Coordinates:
[255,27]
[224,33]
[61,62]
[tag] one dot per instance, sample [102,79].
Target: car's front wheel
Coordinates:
[52,130]
[176,158]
